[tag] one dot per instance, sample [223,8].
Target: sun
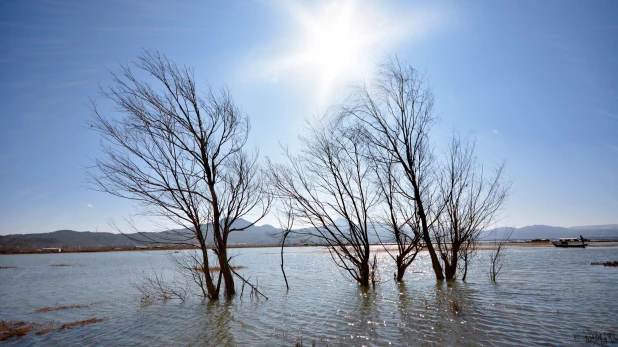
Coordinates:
[332,43]
[334,39]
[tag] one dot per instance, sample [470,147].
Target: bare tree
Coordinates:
[179,154]
[397,216]
[472,202]
[285,216]
[498,254]
[396,113]
[330,191]
[444,205]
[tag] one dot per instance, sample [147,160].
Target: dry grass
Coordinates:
[61,264]
[10,330]
[80,323]
[58,308]
[217,269]
[606,263]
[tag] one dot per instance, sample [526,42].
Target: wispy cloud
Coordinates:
[610,115]
[495,131]
[90,205]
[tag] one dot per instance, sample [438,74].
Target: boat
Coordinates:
[570,242]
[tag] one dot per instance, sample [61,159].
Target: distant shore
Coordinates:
[483,245]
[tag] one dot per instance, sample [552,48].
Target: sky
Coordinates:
[535,81]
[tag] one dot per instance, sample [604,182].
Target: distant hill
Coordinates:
[551,232]
[254,235]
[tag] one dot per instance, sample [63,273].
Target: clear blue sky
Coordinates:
[536,81]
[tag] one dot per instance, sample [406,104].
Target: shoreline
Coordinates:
[483,246]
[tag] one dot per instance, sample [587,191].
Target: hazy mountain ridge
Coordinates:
[255,235]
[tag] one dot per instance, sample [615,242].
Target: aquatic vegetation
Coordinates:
[58,308]
[7,267]
[594,337]
[65,326]
[61,264]
[81,323]
[606,263]
[10,330]
[454,305]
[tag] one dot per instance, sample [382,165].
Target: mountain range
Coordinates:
[253,235]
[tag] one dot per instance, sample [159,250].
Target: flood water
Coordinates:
[544,296]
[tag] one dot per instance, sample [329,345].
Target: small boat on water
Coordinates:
[570,242]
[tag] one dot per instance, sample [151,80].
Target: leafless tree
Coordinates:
[180,154]
[498,254]
[285,216]
[472,202]
[330,190]
[402,224]
[396,113]
[444,205]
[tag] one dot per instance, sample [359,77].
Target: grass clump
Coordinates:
[10,330]
[606,263]
[80,323]
[7,267]
[58,308]
[61,264]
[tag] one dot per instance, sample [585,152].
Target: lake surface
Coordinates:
[544,296]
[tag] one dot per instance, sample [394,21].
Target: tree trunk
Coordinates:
[213,293]
[401,268]
[226,272]
[364,273]
[435,261]
[282,270]
[465,270]
[451,269]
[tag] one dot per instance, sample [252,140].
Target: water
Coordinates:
[543,297]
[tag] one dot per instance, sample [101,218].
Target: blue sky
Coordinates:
[535,81]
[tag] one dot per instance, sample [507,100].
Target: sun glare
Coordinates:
[333,42]
[333,39]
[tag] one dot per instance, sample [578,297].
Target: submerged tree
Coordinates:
[180,154]
[472,201]
[397,216]
[396,113]
[444,205]
[498,254]
[330,190]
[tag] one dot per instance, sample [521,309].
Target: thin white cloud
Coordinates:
[495,131]
[90,205]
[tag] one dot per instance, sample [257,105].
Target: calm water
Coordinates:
[544,296]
